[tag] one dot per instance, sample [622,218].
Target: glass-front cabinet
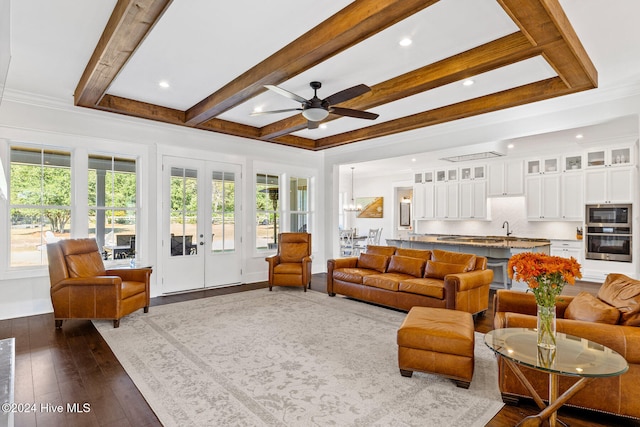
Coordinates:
[472,172]
[572,163]
[609,157]
[540,166]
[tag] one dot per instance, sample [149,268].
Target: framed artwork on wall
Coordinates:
[372,207]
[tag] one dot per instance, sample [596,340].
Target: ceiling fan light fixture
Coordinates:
[315,114]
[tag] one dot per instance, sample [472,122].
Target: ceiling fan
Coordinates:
[315,109]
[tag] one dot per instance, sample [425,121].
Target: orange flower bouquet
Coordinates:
[546,276]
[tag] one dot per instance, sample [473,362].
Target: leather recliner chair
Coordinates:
[291,266]
[81,288]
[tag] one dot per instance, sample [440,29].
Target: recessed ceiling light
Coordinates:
[579,136]
[164,84]
[405,42]
[468,82]
[510,146]
[413,160]
[257,110]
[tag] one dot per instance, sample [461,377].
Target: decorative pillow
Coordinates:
[373,262]
[437,270]
[468,260]
[414,253]
[406,265]
[381,250]
[585,306]
[623,293]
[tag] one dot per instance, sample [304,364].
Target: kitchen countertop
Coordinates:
[479,241]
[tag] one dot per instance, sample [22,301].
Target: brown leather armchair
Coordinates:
[292,265]
[81,288]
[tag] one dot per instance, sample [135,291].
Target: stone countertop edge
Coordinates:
[518,244]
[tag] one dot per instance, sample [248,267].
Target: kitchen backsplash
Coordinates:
[500,209]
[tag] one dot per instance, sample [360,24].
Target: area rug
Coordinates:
[289,358]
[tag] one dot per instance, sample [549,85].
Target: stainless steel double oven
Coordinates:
[608,232]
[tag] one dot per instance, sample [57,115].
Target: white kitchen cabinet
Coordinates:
[609,185]
[572,163]
[567,249]
[572,196]
[470,173]
[473,199]
[543,197]
[446,200]
[543,166]
[607,157]
[505,178]
[423,197]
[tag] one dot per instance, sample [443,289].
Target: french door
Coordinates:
[200,243]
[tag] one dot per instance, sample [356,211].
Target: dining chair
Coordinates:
[346,242]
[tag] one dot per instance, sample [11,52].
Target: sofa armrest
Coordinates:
[460,282]
[334,264]
[113,281]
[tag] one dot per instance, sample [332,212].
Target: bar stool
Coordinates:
[500,263]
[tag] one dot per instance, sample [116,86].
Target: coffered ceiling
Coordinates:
[516,51]
[217,56]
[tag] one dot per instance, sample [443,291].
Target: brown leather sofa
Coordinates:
[617,395]
[404,278]
[81,288]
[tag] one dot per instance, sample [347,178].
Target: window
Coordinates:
[112,199]
[223,190]
[298,204]
[267,215]
[40,203]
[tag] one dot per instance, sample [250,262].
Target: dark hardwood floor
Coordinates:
[75,365]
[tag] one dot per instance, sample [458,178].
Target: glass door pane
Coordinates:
[184,212]
[223,190]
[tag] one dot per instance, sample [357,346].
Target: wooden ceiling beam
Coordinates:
[532,92]
[544,21]
[353,24]
[129,24]
[495,54]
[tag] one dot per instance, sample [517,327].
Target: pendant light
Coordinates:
[352,207]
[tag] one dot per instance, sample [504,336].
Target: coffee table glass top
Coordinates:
[573,356]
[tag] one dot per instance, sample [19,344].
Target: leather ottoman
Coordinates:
[438,341]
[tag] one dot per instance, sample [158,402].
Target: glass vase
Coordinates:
[547,327]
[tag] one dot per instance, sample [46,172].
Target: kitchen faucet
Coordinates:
[507,224]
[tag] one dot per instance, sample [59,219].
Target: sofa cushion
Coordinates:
[468,260]
[426,286]
[437,270]
[352,275]
[388,281]
[414,253]
[407,265]
[381,250]
[373,262]
[623,293]
[587,307]
[85,265]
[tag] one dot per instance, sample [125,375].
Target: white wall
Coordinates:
[25,119]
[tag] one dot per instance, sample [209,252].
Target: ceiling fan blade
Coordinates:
[286,93]
[353,113]
[312,125]
[288,110]
[347,94]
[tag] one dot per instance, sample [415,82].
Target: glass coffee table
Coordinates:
[573,356]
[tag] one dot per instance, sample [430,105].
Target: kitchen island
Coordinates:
[497,249]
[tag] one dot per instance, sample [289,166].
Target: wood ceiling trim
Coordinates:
[521,95]
[353,24]
[495,54]
[129,107]
[129,24]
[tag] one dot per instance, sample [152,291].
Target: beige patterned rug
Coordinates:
[289,358]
